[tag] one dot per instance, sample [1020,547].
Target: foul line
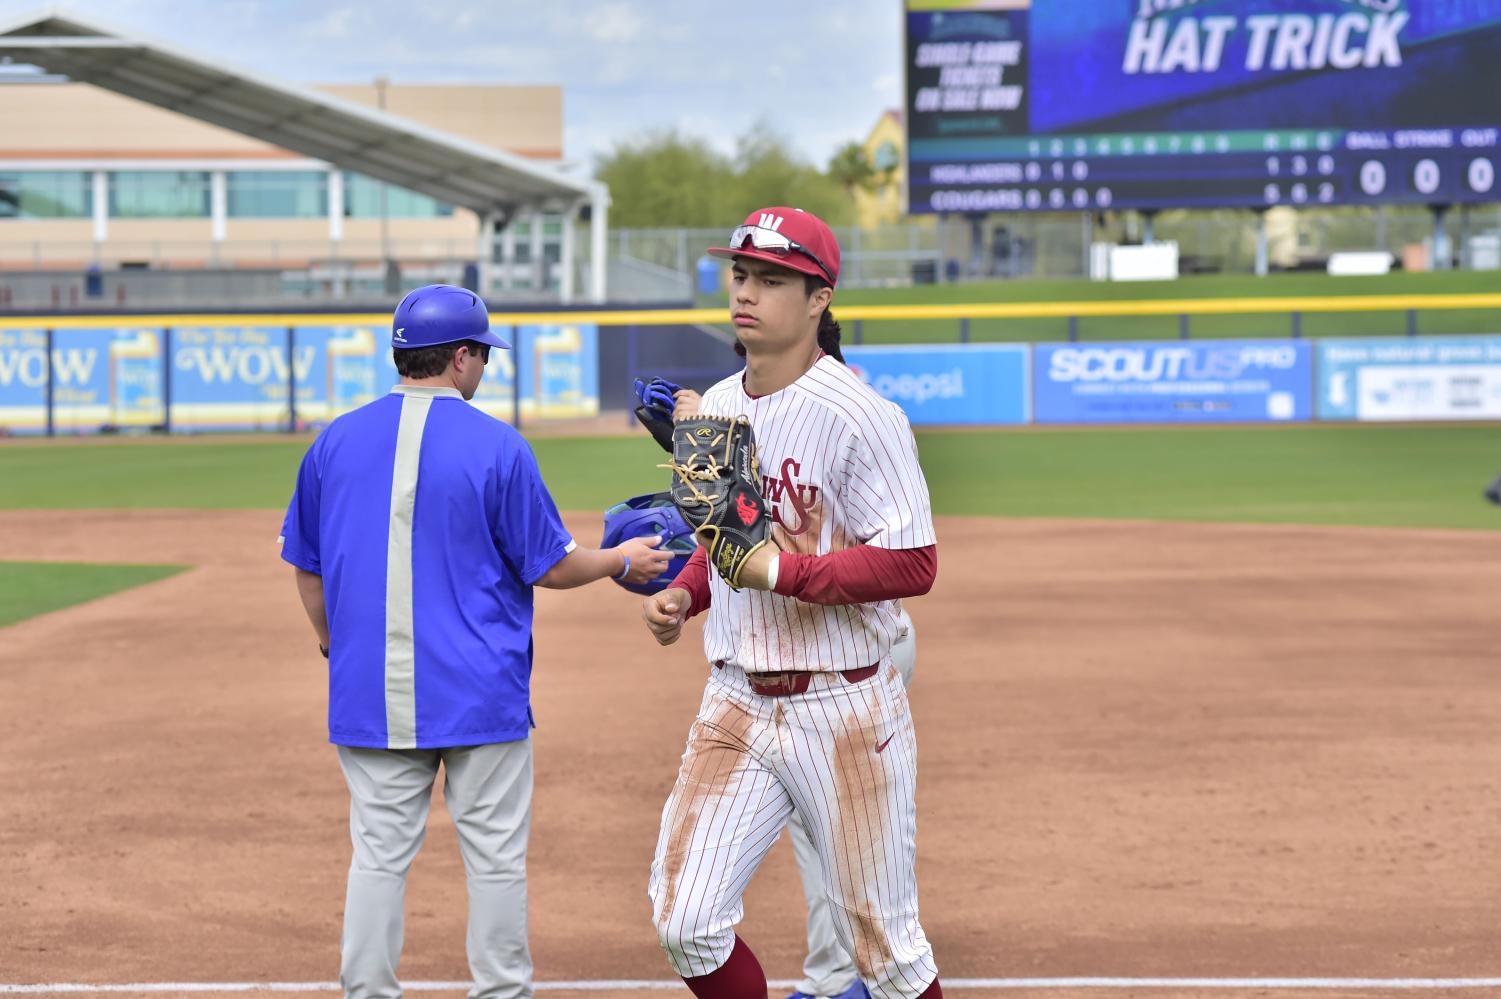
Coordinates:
[663,985]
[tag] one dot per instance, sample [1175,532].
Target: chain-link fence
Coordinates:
[888,256]
[955,249]
[669,265]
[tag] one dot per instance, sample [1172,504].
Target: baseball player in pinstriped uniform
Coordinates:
[804,710]
[828,968]
[418,528]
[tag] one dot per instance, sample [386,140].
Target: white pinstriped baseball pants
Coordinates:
[844,755]
[828,969]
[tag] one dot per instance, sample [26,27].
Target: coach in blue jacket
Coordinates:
[418,528]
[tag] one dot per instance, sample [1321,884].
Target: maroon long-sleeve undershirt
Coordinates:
[859,575]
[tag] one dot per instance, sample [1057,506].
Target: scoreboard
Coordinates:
[1069,105]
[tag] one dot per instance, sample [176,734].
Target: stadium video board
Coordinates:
[1071,105]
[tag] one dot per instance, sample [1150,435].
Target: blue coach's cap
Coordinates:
[441,313]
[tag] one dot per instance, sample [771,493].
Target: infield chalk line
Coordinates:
[663,985]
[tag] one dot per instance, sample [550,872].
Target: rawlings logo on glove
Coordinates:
[715,479]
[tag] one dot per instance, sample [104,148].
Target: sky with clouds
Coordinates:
[819,72]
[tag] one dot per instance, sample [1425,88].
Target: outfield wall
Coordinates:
[1199,381]
[206,373]
[198,377]
[81,375]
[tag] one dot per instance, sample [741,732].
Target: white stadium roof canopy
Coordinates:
[490,182]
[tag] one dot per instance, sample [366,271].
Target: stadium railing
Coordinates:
[690,345]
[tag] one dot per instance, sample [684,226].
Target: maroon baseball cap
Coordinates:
[790,237]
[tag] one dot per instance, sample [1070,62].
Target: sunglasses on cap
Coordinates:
[771,241]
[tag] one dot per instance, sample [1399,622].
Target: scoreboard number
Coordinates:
[1425,176]
[1482,175]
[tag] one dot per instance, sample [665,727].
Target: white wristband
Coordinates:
[771,572]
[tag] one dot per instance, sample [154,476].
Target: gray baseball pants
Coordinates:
[488,790]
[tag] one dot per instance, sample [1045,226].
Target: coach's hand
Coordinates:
[664,613]
[647,561]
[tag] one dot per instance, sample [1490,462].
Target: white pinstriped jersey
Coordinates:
[838,468]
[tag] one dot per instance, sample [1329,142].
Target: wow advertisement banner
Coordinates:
[101,379]
[558,368]
[1410,378]
[235,376]
[979,384]
[1205,381]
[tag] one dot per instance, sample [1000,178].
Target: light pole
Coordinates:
[390,277]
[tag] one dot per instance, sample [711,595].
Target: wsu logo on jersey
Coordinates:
[785,491]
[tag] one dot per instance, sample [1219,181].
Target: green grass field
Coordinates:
[1401,476]
[31,588]
[1407,476]
[1166,327]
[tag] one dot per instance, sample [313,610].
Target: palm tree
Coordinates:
[852,168]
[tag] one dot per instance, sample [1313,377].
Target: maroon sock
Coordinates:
[934,991]
[740,977]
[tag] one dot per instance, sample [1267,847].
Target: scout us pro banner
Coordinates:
[1204,381]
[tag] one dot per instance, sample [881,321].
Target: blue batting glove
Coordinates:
[657,393]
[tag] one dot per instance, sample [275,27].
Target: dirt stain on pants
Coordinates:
[717,745]
[860,835]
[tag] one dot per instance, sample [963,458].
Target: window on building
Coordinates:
[362,197]
[521,229]
[46,194]
[158,194]
[276,194]
[523,246]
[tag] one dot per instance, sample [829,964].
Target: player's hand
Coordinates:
[664,613]
[685,404]
[755,573]
[647,560]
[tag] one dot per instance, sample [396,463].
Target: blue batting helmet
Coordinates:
[643,517]
[441,313]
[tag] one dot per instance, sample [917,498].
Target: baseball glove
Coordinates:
[655,408]
[715,486]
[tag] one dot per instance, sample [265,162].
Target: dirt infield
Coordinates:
[1146,750]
